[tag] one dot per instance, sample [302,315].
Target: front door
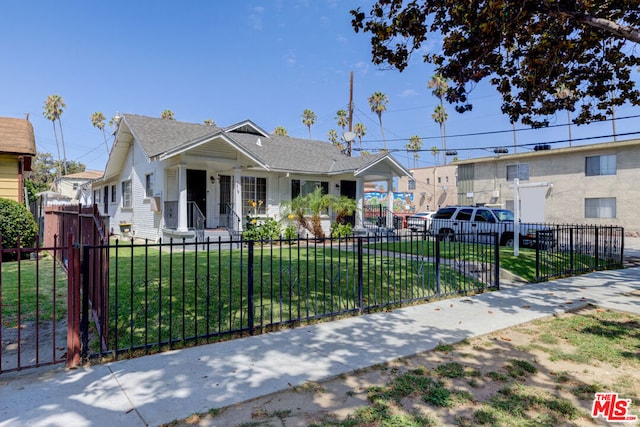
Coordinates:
[196,193]
[348,188]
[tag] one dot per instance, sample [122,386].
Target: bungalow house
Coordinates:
[169,179]
[77,186]
[17,148]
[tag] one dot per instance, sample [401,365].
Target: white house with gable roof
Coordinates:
[169,179]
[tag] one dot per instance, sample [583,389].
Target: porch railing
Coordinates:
[377,217]
[171,214]
[229,218]
[196,219]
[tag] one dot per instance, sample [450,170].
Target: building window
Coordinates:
[604,207]
[428,181]
[126,194]
[412,184]
[520,171]
[96,196]
[302,188]
[113,194]
[148,185]
[254,189]
[600,165]
[75,185]
[446,179]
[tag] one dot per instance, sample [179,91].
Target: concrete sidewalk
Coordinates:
[152,390]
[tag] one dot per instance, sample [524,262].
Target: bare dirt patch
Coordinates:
[33,343]
[540,373]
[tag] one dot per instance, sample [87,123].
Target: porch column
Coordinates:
[359,204]
[182,199]
[389,203]
[237,197]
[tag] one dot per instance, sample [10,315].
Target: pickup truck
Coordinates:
[475,223]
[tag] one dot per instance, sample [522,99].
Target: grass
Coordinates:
[521,400]
[158,296]
[19,293]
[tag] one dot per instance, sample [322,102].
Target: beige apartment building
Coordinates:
[588,184]
[432,187]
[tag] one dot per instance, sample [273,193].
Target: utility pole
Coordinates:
[351,101]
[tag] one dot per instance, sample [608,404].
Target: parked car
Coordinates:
[478,222]
[420,221]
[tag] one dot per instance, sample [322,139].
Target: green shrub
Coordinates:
[290,232]
[340,230]
[258,229]
[16,222]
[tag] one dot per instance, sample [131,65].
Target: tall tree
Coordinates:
[435,152]
[97,120]
[414,145]
[53,108]
[360,130]
[167,115]
[280,131]
[440,116]
[308,119]
[378,102]
[439,86]
[333,138]
[524,48]
[343,121]
[209,122]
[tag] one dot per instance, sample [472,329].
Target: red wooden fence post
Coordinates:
[73,302]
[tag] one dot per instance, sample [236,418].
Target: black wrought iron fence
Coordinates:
[578,249]
[167,295]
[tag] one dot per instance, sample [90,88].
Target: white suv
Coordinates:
[478,222]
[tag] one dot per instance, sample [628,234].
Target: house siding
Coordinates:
[564,200]
[9,178]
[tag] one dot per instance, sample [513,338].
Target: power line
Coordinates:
[495,132]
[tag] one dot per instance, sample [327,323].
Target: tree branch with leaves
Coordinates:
[525,49]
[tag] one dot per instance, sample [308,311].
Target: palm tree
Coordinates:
[333,137]
[440,116]
[280,131]
[415,145]
[167,115]
[360,131]
[97,120]
[342,121]
[53,109]
[308,119]
[439,87]
[435,152]
[378,103]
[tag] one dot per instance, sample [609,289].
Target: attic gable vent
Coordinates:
[259,143]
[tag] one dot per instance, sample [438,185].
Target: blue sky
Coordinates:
[265,61]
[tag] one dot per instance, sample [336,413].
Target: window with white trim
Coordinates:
[600,207]
[126,194]
[113,194]
[148,185]
[600,165]
[254,190]
[412,184]
[302,187]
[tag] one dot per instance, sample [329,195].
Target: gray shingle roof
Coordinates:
[299,155]
[158,136]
